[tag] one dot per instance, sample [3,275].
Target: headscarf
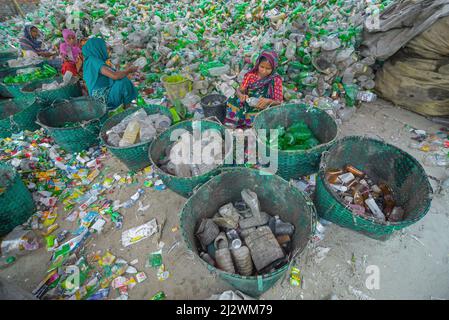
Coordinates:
[66,49]
[95,54]
[27,42]
[272,58]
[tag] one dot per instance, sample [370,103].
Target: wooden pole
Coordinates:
[18,8]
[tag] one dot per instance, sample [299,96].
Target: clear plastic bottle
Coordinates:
[131,134]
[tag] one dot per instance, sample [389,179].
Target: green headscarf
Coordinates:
[95,55]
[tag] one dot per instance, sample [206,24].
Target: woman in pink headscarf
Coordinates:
[70,52]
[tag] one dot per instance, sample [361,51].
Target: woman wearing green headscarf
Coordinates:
[104,83]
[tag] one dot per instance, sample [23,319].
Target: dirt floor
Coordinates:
[413,264]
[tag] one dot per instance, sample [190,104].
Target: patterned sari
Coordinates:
[242,115]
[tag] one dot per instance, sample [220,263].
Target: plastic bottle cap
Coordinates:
[236,243]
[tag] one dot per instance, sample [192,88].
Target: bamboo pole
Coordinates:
[18,8]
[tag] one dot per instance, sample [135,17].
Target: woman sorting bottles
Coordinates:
[261,88]
[103,82]
[32,47]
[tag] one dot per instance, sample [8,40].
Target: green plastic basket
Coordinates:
[86,116]
[181,185]
[6,55]
[15,90]
[134,157]
[6,70]
[72,90]
[276,196]
[382,161]
[18,115]
[295,164]
[16,202]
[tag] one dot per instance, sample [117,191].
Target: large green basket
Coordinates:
[295,164]
[181,185]
[6,70]
[134,157]
[86,116]
[383,163]
[276,196]
[72,90]
[16,202]
[18,115]
[15,90]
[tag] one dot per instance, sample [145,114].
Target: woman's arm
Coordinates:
[278,96]
[117,75]
[241,94]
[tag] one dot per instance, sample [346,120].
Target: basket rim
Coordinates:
[21,67]
[173,83]
[404,223]
[71,83]
[182,214]
[128,112]
[173,127]
[68,101]
[299,152]
[29,101]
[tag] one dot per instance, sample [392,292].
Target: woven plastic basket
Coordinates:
[6,70]
[17,115]
[6,55]
[84,117]
[294,164]
[134,157]
[181,185]
[15,90]
[381,161]
[16,202]
[276,196]
[72,90]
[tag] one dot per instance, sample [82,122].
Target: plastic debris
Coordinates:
[139,233]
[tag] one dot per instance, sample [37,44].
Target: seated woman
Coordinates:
[32,47]
[70,52]
[260,82]
[103,82]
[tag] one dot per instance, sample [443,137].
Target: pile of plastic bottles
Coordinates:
[215,42]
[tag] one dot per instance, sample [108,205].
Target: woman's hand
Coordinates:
[131,69]
[244,97]
[45,54]
[263,103]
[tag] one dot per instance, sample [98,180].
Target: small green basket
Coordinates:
[71,90]
[183,186]
[381,161]
[84,117]
[16,202]
[134,157]
[18,115]
[295,164]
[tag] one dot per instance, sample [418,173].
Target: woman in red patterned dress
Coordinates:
[262,83]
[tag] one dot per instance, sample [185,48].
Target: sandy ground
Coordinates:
[413,264]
